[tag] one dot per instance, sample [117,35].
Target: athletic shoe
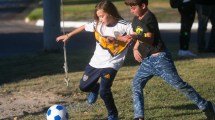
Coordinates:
[113,117]
[92,98]
[210,111]
[186,53]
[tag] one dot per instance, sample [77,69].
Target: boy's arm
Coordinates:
[137,54]
[126,39]
[68,35]
[147,38]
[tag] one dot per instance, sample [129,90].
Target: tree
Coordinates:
[51,29]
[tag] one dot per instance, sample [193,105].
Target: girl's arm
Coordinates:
[67,36]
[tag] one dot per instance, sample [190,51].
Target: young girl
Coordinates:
[108,56]
[157,61]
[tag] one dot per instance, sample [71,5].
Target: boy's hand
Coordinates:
[126,38]
[137,55]
[110,40]
[134,36]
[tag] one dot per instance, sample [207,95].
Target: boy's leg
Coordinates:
[166,69]
[107,77]
[142,76]
[210,111]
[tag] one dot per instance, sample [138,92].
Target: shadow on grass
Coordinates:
[178,108]
[175,115]
[79,51]
[22,57]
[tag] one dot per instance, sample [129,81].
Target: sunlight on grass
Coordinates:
[84,12]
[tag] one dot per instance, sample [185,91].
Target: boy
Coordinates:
[157,62]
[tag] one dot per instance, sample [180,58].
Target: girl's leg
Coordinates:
[107,77]
[166,69]
[89,80]
[142,76]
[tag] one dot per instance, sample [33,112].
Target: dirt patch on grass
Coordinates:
[17,104]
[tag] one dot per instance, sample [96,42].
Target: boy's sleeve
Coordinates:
[149,31]
[152,25]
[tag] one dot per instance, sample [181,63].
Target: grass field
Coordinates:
[44,72]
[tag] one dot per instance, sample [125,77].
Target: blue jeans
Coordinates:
[163,66]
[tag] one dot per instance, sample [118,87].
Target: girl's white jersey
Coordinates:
[102,58]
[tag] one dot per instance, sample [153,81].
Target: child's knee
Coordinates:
[83,88]
[105,93]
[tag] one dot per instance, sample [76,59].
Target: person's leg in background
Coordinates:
[211,43]
[187,12]
[203,17]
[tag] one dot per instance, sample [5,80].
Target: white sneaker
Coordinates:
[186,53]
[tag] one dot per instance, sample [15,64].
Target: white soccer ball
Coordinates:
[57,112]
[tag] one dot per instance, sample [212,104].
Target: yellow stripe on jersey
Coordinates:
[114,48]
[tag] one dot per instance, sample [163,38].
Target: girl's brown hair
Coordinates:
[109,8]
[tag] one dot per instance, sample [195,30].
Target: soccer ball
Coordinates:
[57,112]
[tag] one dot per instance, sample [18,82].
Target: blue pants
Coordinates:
[163,66]
[89,83]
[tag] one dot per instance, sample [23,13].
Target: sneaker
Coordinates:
[113,117]
[210,111]
[92,98]
[186,53]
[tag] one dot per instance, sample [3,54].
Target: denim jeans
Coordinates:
[163,66]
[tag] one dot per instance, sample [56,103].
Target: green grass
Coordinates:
[44,72]
[76,11]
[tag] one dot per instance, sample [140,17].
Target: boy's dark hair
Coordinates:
[136,2]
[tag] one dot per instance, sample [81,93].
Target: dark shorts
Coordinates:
[91,77]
